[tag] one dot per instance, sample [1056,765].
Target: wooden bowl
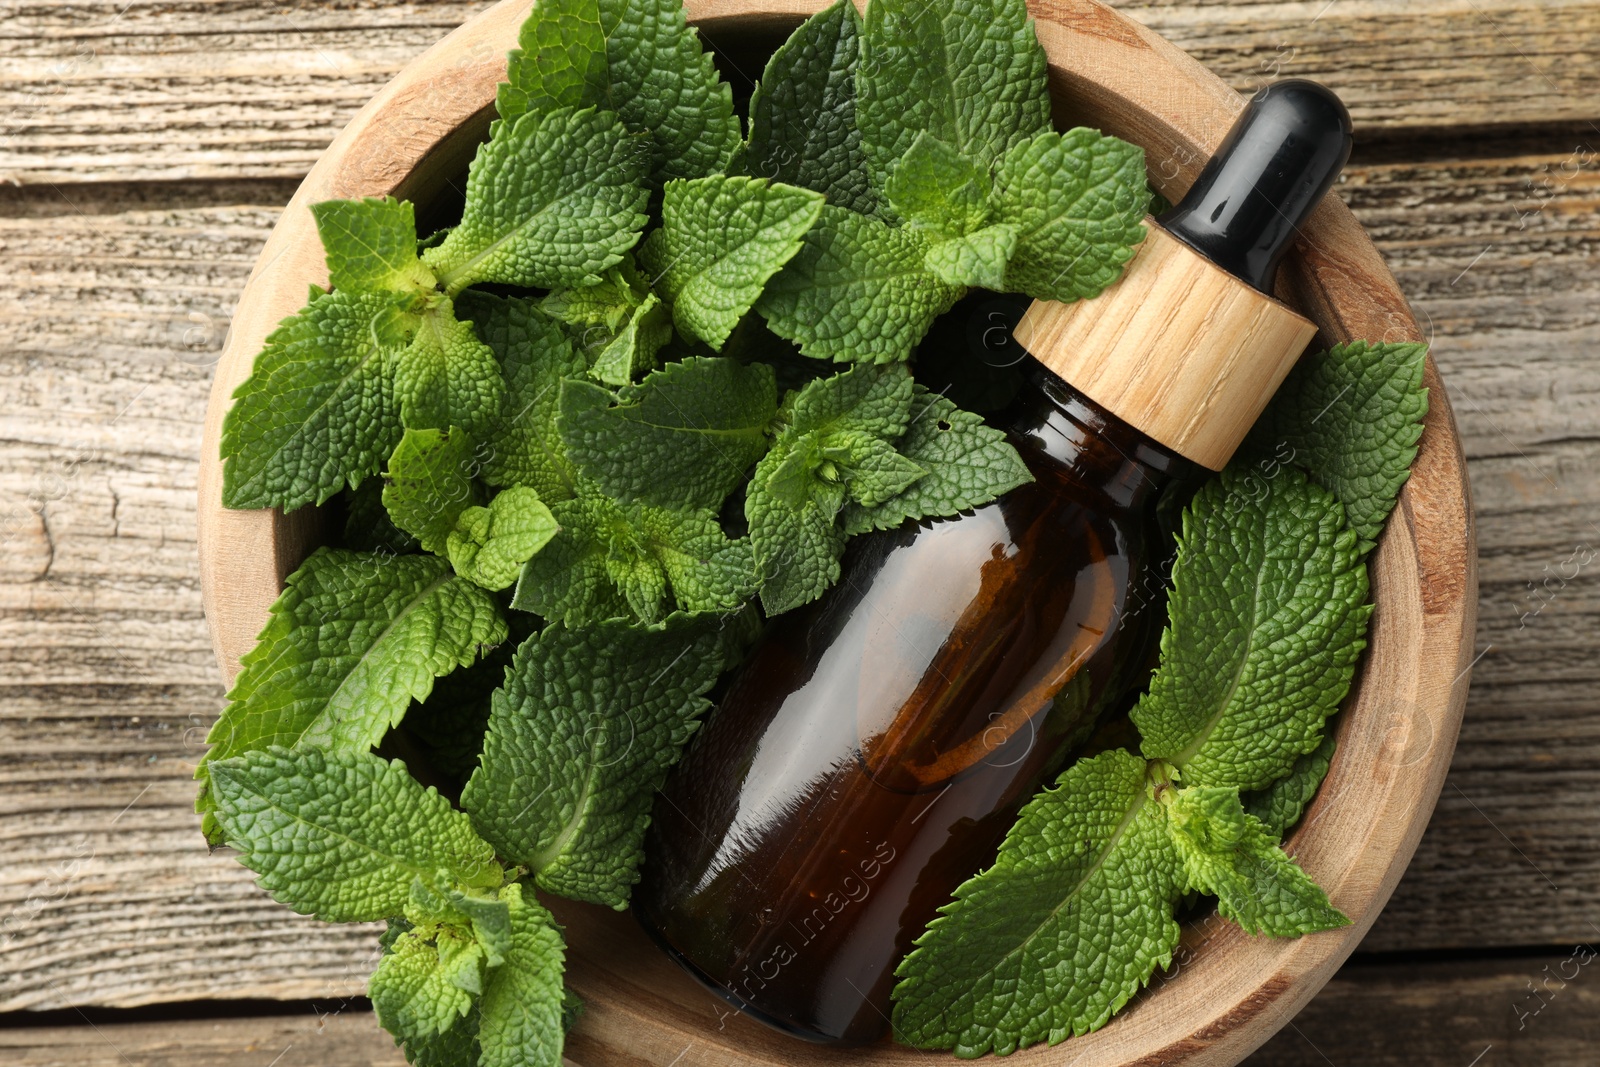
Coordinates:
[1227,992]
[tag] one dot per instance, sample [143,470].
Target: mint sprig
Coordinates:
[1267,618]
[570,767]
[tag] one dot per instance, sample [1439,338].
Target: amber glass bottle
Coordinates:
[873,752]
[876,747]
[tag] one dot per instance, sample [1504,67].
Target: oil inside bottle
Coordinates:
[873,751]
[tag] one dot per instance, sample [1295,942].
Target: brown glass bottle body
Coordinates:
[873,751]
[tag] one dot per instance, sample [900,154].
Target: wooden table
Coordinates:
[146,149]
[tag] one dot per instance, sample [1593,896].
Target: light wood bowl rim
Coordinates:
[1229,992]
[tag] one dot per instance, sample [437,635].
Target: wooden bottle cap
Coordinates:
[1179,349]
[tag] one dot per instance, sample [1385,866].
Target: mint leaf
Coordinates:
[966,462]
[524,1009]
[1352,416]
[620,324]
[342,836]
[969,72]
[684,437]
[624,355]
[1069,923]
[318,412]
[1281,804]
[525,445]
[979,259]
[611,560]
[833,447]
[859,290]
[429,483]
[490,545]
[803,113]
[423,988]
[447,377]
[1232,855]
[351,642]
[580,738]
[456,1047]
[797,545]
[664,84]
[720,240]
[371,245]
[936,188]
[868,399]
[1077,201]
[561,61]
[638,58]
[1266,621]
[553,199]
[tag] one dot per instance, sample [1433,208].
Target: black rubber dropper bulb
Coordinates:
[1283,153]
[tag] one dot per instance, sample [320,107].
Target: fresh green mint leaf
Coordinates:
[720,240]
[580,738]
[684,437]
[318,413]
[554,199]
[1352,417]
[342,836]
[621,357]
[979,259]
[664,84]
[797,544]
[1280,805]
[833,447]
[1077,201]
[524,1007]
[429,482]
[870,468]
[638,58]
[371,245]
[803,113]
[560,62]
[524,446]
[1265,624]
[937,189]
[489,546]
[969,72]
[423,988]
[351,642]
[869,399]
[967,463]
[1229,853]
[1066,926]
[611,560]
[456,1047]
[858,291]
[447,377]
[619,324]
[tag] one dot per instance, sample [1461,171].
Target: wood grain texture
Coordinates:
[1110,73]
[1532,1012]
[1178,348]
[119,90]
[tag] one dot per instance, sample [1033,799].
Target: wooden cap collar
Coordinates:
[1179,349]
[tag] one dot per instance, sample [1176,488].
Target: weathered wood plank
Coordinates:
[1533,1011]
[119,90]
[331,1039]
[119,303]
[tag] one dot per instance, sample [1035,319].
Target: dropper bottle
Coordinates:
[875,748]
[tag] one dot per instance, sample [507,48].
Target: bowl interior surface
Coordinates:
[1226,992]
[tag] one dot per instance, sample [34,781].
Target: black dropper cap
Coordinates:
[1284,152]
